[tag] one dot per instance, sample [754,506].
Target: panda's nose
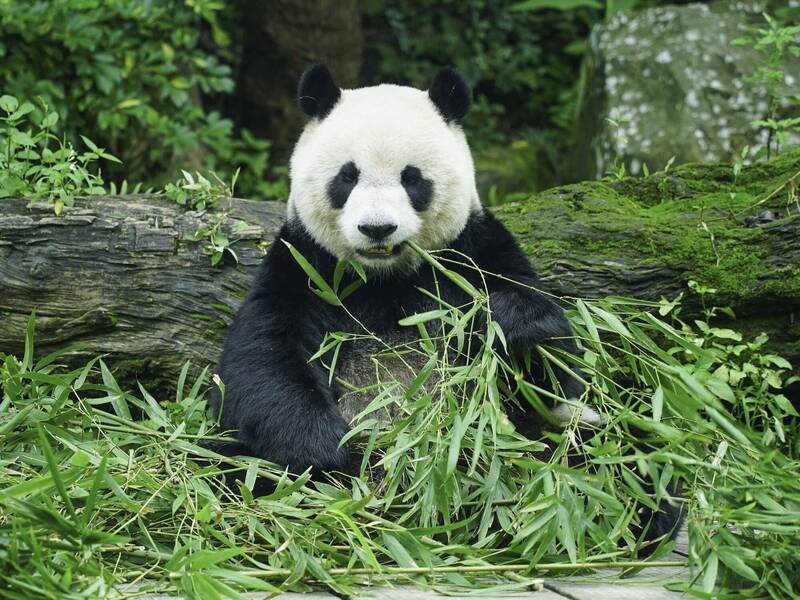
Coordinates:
[377,232]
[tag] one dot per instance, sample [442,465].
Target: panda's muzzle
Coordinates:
[378,233]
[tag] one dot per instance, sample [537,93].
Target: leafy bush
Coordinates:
[30,165]
[134,76]
[776,43]
[197,191]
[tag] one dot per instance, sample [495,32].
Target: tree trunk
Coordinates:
[282,37]
[117,274]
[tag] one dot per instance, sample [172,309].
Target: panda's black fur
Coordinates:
[282,405]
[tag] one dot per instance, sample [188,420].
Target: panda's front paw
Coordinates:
[528,319]
[308,440]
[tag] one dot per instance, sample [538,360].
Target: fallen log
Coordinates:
[119,275]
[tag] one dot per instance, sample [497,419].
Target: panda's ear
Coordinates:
[450,94]
[317,93]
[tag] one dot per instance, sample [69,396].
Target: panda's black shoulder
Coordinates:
[482,230]
[279,271]
[487,240]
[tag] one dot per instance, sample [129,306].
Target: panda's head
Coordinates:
[377,166]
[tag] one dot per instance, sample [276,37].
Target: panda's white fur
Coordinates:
[383,129]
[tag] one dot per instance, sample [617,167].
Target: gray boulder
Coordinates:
[675,84]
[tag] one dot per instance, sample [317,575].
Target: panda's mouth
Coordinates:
[380,252]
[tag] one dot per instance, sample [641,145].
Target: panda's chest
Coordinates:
[389,359]
[369,367]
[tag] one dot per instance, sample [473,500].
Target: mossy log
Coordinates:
[118,275]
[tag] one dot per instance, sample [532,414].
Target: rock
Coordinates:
[676,84]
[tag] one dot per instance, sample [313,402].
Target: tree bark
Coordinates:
[117,274]
[283,37]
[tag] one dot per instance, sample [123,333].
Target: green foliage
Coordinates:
[617,169]
[36,163]
[250,157]
[522,59]
[520,63]
[776,42]
[199,192]
[94,497]
[611,7]
[134,76]
[219,244]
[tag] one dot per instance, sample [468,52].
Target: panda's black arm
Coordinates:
[281,405]
[526,315]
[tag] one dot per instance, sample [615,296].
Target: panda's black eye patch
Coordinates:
[419,189]
[342,184]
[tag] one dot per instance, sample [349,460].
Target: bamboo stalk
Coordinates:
[511,568]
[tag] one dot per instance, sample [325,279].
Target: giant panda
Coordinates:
[374,168]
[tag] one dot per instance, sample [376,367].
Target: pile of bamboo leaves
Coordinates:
[103,488]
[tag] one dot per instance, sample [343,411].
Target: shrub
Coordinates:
[37,164]
[137,77]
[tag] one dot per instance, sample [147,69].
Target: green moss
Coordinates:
[770,174]
[216,325]
[666,220]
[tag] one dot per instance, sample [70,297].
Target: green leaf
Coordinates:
[611,320]
[205,558]
[338,273]
[720,389]
[94,494]
[397,551]
[565,533]
[91,145]
[23,110]
[39,484]
[423,317]
[710,573]
[55,471]
[324,291]
[251,475]
[22,138]
[359,268]
[30,335]
[658,403]
[8,103]
[422,377]
[454,450]
[110,157]
[128,103]
[49,120]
